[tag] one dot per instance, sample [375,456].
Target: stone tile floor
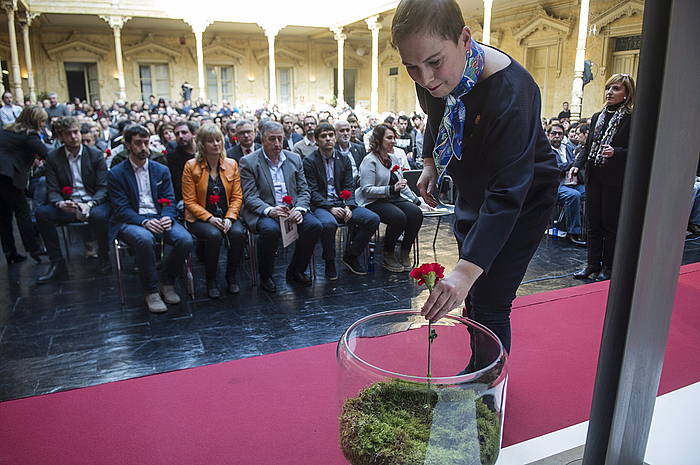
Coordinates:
[75,333]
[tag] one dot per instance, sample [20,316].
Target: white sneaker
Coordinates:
[169,294]
[155,304]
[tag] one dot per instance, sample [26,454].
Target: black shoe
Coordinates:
[575,239]
[331,272]
[57,271]
[37,254]
[15,258]
[354,265]
[213,291]
[268,285]
[604,274]
[586,272]
[299,277]
[233,287]
[104,266]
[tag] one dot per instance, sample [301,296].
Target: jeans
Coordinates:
[362,224]
[143,242]
[269,231]
[571,198]
[212,237]
[48,217]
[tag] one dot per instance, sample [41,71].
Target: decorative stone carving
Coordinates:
[622,9]
[76,45]
[217,48]
[542,21]
[298,58]
[148,47]
[115,22]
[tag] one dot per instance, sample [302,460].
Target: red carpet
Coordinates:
[279,409]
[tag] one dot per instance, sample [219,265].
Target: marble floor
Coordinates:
[76,333]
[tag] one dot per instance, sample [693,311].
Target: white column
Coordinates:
[374,25]
[577,88]
[10,7]
[271,34]
[200,63]
[340,37]
[117,23]
[25,23]
[486,39]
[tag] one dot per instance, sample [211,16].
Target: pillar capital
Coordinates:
[28,18]
[198,25]
[271,29]
[338,33]
[114,21]
[373,23]
[10,6]
[488,3]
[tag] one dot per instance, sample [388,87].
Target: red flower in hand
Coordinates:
[66,191]
[165,202]
[405,169]
[287,199]
[395,168]
[164,152]
[108,152]
[345,194]
[428,274]
[213,199]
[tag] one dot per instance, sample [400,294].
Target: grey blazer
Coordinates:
[374,181]
[258,190]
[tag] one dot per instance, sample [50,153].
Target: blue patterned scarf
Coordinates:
[449,139]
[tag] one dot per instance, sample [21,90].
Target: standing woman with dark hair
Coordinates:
[484,130]
[604,157]
[19,146]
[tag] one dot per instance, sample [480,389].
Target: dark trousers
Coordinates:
[362,226]
[142,242]
[48,217]
[400,216]
[269,231]
[491,297]
[13,202]
[603,212]
[212,237]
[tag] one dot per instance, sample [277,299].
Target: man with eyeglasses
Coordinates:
[245,134]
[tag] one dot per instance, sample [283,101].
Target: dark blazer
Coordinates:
[564,167]
[177,158]
[358,152]
[124,193]
[17,154]
[315,172]
[93,171]
[236,152]
[295,138]
[613,172]
[258,190]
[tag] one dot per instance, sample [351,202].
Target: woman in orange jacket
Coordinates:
[211,190]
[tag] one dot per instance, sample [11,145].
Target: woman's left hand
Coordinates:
[608,151]
[451,291]
[227,225]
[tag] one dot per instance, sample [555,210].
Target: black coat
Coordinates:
[613,172]
[358,152]
[17,154]
[93,171]
[177,158]
[236,152]
[315,172]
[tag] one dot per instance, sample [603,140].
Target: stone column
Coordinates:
[25,23]
[374,25]
[199,25]
[117,23]
[486,39]
[340,37]
[10,6]
[577,88]
[271,33]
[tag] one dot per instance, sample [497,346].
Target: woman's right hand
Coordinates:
[427,182]
[217,222]
[400,184]
[573,171]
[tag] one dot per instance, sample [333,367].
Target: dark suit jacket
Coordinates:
[17,153]
[295,138]
[358,152]
[315,172]
[258,190]
[236,152]
[124,193]
[177,158]
[93,171]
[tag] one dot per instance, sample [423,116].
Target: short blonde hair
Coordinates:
[628,83]
[206,133]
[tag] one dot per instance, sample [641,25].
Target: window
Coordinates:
[220,83]
[155,80]
[284,86]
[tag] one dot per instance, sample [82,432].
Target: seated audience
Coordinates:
[355,152]
[211,189]
[76,182]
[308,144]
[184,150]
[268,176]
[245,133]
[329,173]
[143,213]
[290,136]
[694,222]
[384,191]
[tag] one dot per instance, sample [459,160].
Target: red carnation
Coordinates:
[394,168]
[345,194]
[213,199]
[164,152]
[287,199]
[165,202]
[405,169]
[66,191]
[108,152]
[428,274]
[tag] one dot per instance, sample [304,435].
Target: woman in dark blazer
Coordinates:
[604,157]
[19,147]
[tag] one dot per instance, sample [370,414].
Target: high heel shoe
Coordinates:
[586,272]
[15,258]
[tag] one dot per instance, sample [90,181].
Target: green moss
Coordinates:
[404,423]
